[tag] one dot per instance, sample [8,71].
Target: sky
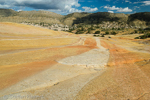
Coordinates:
[65,7]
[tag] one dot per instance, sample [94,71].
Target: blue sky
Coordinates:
[69,6]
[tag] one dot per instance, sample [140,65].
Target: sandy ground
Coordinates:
[126,77]
[61,75]
[41,64]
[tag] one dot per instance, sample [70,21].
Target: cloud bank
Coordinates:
[63,5]
[118,9]
[88,9]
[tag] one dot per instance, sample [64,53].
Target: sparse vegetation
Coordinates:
[102,35]
[147,35]
[96,35]
[135,31]
[97,32]
[106,33]
[113,33]
[89,30]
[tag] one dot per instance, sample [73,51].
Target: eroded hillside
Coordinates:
[37,17]
[38,63]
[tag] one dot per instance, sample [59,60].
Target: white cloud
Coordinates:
[118,9]
[88,9]
[128,1]
[110,11]
[19,10]
[4,6]
[63,5]
[136,7]
[146,3]
[112,8]
[124,10]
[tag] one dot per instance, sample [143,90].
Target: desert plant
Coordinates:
[142,31]
[89,30]
[136,38]
[106,32]
[97,32]
[113,33]
[135,31]
[113,28]
[147,35]
[102,35]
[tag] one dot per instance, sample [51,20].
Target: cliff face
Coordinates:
[7,12]
[8,15]
[137,19]
[96,18]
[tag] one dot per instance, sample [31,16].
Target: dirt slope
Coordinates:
[124,79]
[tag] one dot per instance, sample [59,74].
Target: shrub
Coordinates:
[82,29]
[92,27]
[97,32]
[136,38]
[142,37]
[113,33]
[107,33]
[79,32]
[132,33]
[102,35]
[142,31]
[109,37]
[147,35]
[89,30]
[96,35]
[135,31]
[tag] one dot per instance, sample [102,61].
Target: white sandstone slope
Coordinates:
[62,81]
[96,58]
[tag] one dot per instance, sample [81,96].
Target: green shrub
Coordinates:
[113,33]
[135,31]
[96,35]
[102,35]
[147,35]
[89,30]
[82,29]
[136,38]
[142,37]
[107,33]
[97,32]
[79,32]
[132,33]
[142,31]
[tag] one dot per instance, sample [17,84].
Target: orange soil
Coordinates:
[24,30]
[123,80]
[11,74]
[90,42]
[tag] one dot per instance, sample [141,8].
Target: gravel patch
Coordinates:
[94,58]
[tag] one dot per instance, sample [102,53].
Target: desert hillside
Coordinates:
[37,63]
[38,17]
